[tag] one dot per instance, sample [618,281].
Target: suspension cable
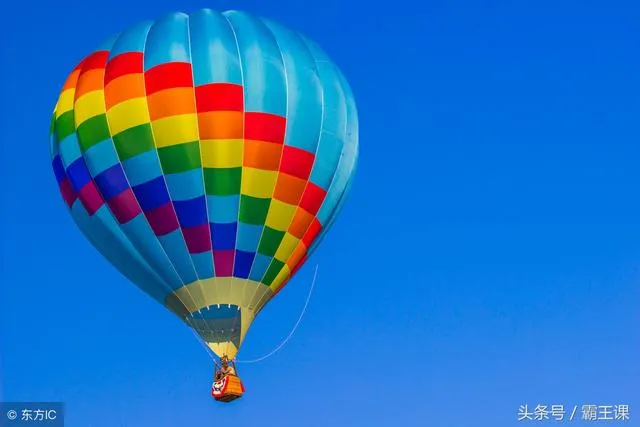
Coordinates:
[282,344]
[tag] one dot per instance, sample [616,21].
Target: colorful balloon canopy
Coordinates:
[205,156]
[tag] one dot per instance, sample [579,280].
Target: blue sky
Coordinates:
[488,257]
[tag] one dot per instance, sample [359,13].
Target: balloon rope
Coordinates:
[282,344]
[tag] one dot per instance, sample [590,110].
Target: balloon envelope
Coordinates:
[205,156]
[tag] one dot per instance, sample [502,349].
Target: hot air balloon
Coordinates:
[205,156]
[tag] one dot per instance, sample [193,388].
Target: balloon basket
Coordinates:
[227,389]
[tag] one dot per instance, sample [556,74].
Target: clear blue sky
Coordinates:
[488,257]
